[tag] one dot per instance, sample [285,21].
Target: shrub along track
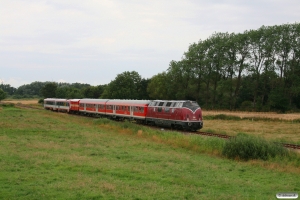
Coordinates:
[286,145]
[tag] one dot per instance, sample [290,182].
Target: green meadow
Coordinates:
[49,155]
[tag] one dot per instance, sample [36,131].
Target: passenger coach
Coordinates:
[132,109]
[61,105]
[92,107]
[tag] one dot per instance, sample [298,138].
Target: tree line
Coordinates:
[52,89]
[257,70]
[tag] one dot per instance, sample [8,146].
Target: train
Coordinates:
[177,114]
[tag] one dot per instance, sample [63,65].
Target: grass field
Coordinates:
[48,155]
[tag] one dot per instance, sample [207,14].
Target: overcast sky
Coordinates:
[92,41]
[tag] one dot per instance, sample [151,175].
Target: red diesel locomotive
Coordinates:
[182,114]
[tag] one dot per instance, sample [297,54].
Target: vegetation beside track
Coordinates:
[52,155]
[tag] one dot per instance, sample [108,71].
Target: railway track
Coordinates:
[286,145]
[289,146]
[213,134]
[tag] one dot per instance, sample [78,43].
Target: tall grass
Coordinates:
[248,147]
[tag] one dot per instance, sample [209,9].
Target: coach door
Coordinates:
[131,110]
[114,109]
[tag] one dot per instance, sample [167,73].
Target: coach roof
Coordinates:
[128,102]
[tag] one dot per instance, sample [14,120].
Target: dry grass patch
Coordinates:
[267,129]
[21,101]
[271,115]
[140,133]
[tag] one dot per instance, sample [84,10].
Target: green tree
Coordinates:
[2,95]
[32,89]
[49,90]
[157,88]
[8,89]
[125,86]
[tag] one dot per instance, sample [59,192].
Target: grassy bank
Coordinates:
[47,155]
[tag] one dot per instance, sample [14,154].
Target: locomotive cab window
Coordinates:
[191,105]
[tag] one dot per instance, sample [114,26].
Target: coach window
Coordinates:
[159,109]
[161,104]
[168,104]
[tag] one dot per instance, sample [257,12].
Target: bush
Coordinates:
[41,101]
[221,117]
[101,121]
[8,105]
[247,147]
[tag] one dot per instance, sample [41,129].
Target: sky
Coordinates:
[92,41]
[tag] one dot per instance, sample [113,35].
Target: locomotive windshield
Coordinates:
[193,105]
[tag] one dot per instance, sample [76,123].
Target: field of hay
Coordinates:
[270,115]
[21,101]
[271,126]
